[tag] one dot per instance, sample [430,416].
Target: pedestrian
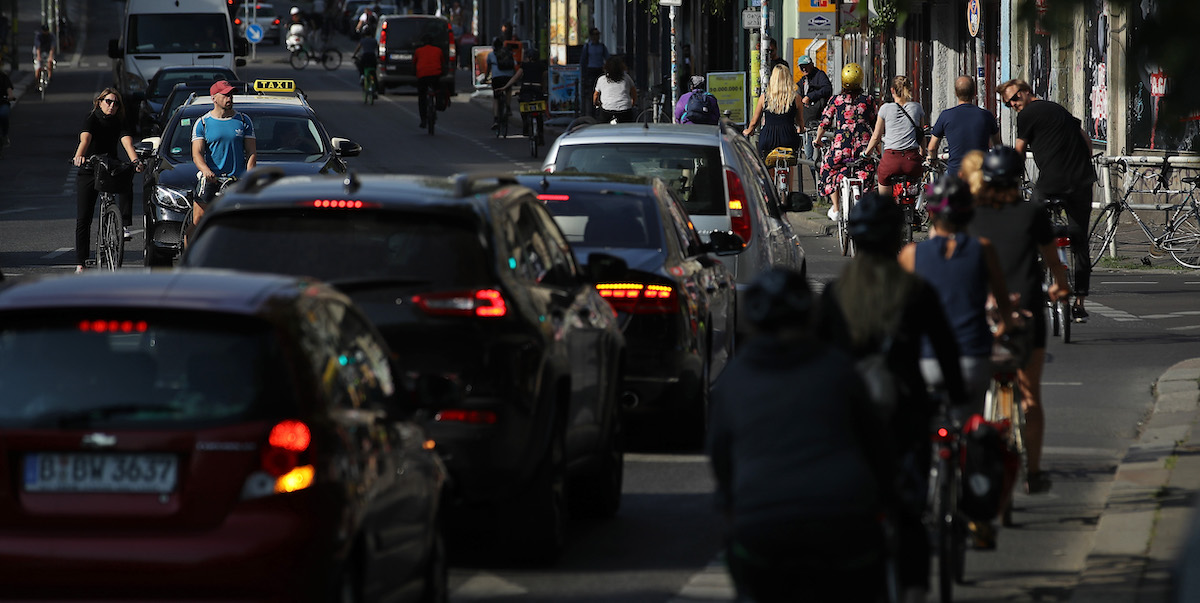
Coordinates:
[6,97]
[814,90]
[223,145]
[780,110]
[591,61]
[965,126]
[712,109]
[615,95]
[773,58]
[1063,154]
[877,309]
[850,116]
[899,128]
[1019,230]
[105,132]
[802,474]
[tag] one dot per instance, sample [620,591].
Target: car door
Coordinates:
[782,241]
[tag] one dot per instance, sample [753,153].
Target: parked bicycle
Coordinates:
[328,56]
[660,110]
[110,176]
[1180,234]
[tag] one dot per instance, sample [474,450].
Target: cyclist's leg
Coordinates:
[1079,210]
[422,90]
[85,206]
[1029,379]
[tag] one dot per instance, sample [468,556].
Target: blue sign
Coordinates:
[254,33]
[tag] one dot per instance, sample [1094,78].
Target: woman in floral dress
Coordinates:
[850,115]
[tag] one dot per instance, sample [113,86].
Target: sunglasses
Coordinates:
[1008,103]
[111,101]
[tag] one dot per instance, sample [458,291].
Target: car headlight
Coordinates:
[134,83]
[171,198]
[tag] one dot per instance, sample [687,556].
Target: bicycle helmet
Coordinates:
[852,75]
[1003,167]
[295,10]
[779,297]
[949,198]
[874,223]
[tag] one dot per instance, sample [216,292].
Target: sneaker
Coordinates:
[833,214]
[1037,483]
[1079,314]
[495,125]
[128,235]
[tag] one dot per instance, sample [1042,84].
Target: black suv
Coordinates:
[400,35]
[474,283]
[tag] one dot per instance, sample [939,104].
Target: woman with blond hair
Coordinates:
[899,128]
[781,112]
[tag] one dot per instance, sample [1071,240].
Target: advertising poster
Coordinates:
[479,56]
[730,89]
[564,89]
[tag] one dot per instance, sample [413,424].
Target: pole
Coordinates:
[764,42]
[674,67]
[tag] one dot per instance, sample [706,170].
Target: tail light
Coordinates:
[739,212]
[276,22]
[638,298]
[1063,241]
[484,303]
[458,415]
[284,463]
[452,53]
[237,21]
[905,195]
[382,42]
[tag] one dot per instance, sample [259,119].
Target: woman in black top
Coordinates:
[104,133]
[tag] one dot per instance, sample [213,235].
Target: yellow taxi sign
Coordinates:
[285,86]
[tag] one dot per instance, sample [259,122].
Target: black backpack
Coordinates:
[504,59]
[700,108]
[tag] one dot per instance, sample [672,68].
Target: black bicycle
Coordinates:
[532,104]
[946,522]
[111,176]
[1060,312]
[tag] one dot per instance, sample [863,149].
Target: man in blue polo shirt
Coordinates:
[966,126]
[223,144]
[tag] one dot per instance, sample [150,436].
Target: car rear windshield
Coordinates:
[167,33]
[166,81]
[342,245]
[405,33]
[693,170]
[105,368]
[263,11]
[278,137]
[607,219]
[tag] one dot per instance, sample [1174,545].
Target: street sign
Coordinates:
[973,18]
[670,2]
[752,19]
[254,33]
[815,26]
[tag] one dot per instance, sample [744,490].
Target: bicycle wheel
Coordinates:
[848,206]
[948,544]
[111,244]
[299,59]
[535,132]
[1100,235]
[331,58]
[907,231]
[1184,242]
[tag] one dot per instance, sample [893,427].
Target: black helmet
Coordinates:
[950,198]
[779,297]
[874,222]
[1003,167]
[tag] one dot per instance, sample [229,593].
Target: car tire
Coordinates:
[539,528]
[597,493]
[152,257]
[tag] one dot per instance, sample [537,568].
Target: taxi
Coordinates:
[289,135]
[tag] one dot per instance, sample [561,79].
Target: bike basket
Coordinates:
[112,176]
[781,155]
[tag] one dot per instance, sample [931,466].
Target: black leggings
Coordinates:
[1079,212]
[85,206]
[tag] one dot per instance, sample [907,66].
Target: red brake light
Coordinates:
[382,39]
[458,415]
[113,326]
[450,38]
[554,197]
[237,21]
[290,435]
[484,303]
[1063,241]
[339,204]
[739,215]
[276,21]
[637,298]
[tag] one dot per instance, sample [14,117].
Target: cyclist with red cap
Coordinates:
[223,146]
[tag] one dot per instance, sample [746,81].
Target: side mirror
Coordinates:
[722,242]
[145,147]
[344,147]
[602,267]
[798,202]
[114,49]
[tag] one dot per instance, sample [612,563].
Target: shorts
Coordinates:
[900,163]
[500,81]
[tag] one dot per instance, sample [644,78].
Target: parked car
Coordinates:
[208,435]
[676,303]
[715,171]
[475,284]
[264,15]
[400,35]
[150,109]
[170,174]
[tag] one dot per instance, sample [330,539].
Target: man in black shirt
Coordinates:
[1063,154]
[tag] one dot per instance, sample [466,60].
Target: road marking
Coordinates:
[637,457]
[486,585]
[1081,451]
[1128,282]
[18,210]
[56,253]
[710,584]
[1114,314]
[1187,328]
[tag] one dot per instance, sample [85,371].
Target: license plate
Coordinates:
[402,56]
[533,106]
[111,472]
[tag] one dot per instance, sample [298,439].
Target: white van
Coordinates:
[163,33]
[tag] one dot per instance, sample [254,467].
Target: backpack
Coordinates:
[882,385]
[504,59]
[701,109]
[989,468]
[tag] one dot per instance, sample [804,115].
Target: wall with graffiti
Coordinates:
[1147,87]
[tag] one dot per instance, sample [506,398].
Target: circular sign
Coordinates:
[973,17]
[254,33]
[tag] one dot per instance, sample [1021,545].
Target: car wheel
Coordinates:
[437,588]
[539,531]
[597,494]
[151,257]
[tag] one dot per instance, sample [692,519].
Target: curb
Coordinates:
[1146,519]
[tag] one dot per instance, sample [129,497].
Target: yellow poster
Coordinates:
[730,89]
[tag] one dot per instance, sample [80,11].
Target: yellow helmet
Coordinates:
[852,75]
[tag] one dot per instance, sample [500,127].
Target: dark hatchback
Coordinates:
[475,284]
[150,108]
[676,303]
[170,175]
[208,435]
[399,35]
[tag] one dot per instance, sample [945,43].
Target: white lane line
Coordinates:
[710,584]
[1129,282]
[1114,314]
[1081,451]
[1187,328]
[56,253]
[18,210]
[637,457]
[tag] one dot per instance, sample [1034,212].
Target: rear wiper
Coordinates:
[374,282]
[88,415]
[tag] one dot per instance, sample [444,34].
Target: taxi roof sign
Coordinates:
[285,86]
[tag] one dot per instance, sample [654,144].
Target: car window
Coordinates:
[166,81]
[562,261]
[137,370]
[405,33]
[264,11]
[607,219]
[694,171]
[763,185]
[287,138]
[529,257]
[341,245]
[681,226]
[204,32]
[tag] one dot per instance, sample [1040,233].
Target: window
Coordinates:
[607,219]
[167,33]
[694,171]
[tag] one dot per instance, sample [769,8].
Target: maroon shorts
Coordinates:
[900,163]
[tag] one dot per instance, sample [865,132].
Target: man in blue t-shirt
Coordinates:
[223,144]
[966,126]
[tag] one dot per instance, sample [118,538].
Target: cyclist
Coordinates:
[429,60]
[802,475]
[898,127]
[591,60]
[1019,232]
[966,126]
[1062,152]
[223,144]
[849,116]
[501,74]
[615,94]
[6,96]
[696,86]
[104,133]
[780,111]
[366,56]
[43,53]
[876,308]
